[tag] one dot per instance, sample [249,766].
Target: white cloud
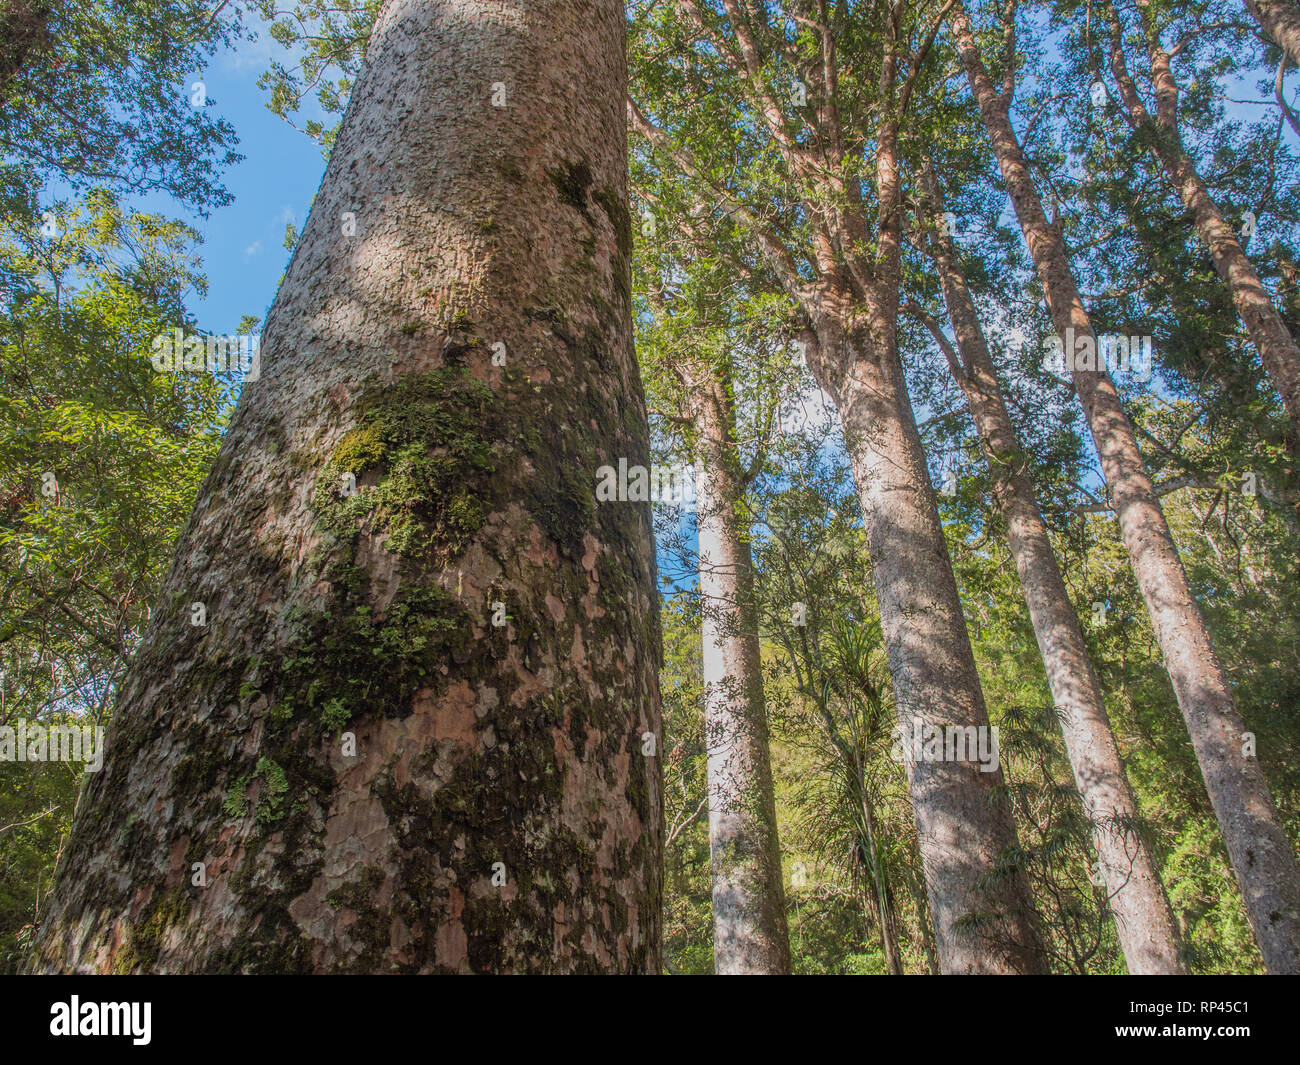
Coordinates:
[253,249]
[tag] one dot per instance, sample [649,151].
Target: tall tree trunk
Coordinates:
[1281,18]
[963,818]
[1145,923]
[1277,348]
[482,629]
[980,900]
[1257,845]
[750,935]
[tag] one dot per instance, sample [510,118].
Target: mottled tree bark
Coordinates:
[1145,923]
[750,935]
[1277,348]
[1260,852]
[1281,18]
[454,333]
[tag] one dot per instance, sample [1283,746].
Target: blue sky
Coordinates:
[243,244]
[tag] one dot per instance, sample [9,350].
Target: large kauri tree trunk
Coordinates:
[750,935]
[409,737]
[1257,845]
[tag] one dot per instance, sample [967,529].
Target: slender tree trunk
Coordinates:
[1147,933]
[1281,19]
[482,632]
[963,819]
[749,925]
[1260,851]
[980,900]
[1277,348]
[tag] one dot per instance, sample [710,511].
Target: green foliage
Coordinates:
[125,448]
[329,37]
[107,95]
[718,176]
[345,662]
[96,96]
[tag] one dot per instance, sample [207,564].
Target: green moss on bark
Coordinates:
[350,660]
[144,940]
[422,456]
